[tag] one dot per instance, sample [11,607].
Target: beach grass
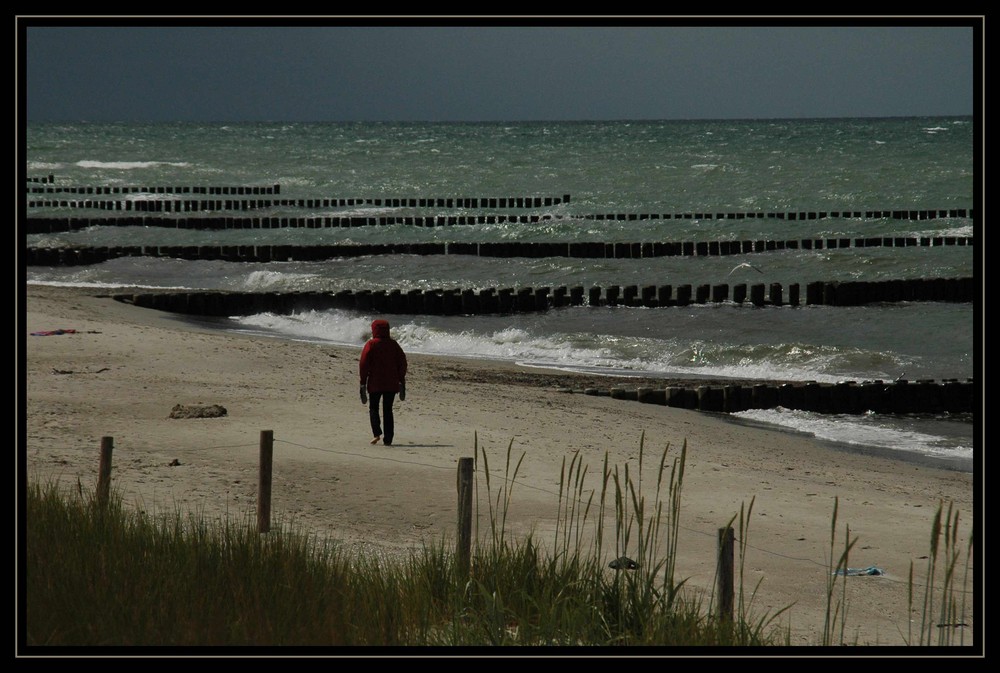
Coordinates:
[99,573]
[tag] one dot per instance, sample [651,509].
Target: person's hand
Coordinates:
[402,390]
[364,395]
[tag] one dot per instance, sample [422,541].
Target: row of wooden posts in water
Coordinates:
[844,397]
[507,300]
[436,220]
[83,255]
[214,205]
[503,202]
[252,190]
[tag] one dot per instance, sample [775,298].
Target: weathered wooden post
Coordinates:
[464,551]
[725,578]
[264,481]
[104,471]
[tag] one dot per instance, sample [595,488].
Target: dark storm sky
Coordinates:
[426,72]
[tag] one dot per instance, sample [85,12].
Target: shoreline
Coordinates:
[126,367]
[565,379]
[963,465]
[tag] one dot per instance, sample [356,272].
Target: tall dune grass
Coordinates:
[102,574]
[947,628]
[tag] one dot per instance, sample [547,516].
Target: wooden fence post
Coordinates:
[264,481]
[464,550]
[104,471]
[725,578]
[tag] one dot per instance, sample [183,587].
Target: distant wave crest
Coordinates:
[129,165]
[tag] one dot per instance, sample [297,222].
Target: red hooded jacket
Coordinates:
[383,363]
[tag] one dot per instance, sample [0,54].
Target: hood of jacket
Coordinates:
[380,329]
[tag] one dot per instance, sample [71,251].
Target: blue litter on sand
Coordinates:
[870,570]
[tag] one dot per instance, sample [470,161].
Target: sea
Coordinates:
[588,178]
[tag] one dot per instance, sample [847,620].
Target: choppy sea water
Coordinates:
[620,167]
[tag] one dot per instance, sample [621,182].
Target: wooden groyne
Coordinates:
[173,199]
[82,255]
[925,396]
[188,205]
[210,218]
[510,300]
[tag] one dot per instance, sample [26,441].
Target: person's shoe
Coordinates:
[375,440]
[387,442]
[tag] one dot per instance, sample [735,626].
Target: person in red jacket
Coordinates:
[383,375]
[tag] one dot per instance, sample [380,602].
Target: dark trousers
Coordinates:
[373,402]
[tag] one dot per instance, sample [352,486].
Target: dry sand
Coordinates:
[125,368]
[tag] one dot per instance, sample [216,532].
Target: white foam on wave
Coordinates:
[287,181]
[151,196]
[315,326]
[129,165]
[962,230]
[857,430]
[269,280]
[568,352]
[345,328]
[103,286]
[581,353]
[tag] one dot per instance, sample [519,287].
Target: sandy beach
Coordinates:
[123,369]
